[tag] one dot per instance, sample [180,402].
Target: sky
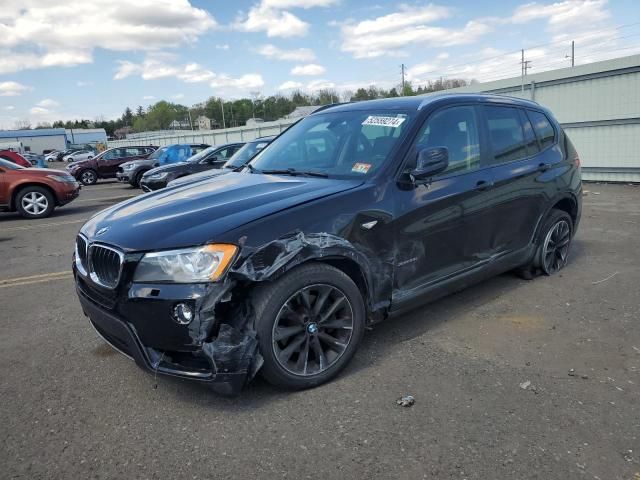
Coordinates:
[68,59]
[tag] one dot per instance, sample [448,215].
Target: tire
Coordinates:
[552,246]
[280,311]
[88,177]
[35,202]
[136,180]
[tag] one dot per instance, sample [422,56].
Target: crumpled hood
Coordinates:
[201,212]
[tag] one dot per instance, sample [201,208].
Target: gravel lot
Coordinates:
[74,408]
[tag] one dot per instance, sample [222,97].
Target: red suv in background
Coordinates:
[34,192]
[106,164]
[14,158]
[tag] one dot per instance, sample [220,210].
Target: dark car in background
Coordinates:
[238,160]
[105,165]
[211,158]
[355,214]
[34,192]
[131,172]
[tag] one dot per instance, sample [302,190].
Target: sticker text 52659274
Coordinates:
[381,121]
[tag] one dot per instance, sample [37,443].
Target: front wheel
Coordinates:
[88,177]
[35,202]
[309,323]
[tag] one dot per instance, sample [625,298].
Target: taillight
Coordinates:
[576,161]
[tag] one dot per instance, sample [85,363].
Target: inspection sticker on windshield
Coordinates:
[361,167]
[379,121]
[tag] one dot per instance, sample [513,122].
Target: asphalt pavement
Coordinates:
[512,379]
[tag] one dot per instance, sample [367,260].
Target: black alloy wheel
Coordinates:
[555,248]
[312,330]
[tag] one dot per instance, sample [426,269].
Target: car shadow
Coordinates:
[382,338]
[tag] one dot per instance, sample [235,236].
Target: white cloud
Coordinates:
[223,46]
[245,82]
[276,23]
[9,108]
[298,3]
[569,13]
[390,34]
[178,96]
[81,83]
[41,33]
[39,111]
[290,85]
[12,89]
[296,55]
[320,85]
[148,97]
[310,69]
[47,103]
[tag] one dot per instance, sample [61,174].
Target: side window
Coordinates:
[110,155]
[131,152]
[543,128]
[529,137]
[457,129]
[506,134]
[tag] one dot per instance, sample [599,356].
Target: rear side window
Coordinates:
[529,137]
[506,133]
[543,128]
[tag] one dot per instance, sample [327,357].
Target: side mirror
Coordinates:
[431,161]
[212,160]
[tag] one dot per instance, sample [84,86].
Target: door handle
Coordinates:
[484,185]
[543,167]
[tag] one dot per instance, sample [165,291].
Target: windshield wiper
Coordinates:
[294,172]
[251,168]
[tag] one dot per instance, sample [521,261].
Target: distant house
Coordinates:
[121,133]
[252,122]
[203,123]
[180,125]
[303,111]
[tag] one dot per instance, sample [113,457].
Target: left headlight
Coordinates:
[62,178]
[128,166]
[158,175]
[189,265]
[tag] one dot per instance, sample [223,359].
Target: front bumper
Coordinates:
[123,177]
[69,193]
[204,361]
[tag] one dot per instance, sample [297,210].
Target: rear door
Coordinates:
[441,227]
[517,197]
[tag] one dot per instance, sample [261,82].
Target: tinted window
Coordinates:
[542,127]
[132,152]
[9,165]
[457,129]
[110,155]
[529,137]
[506,134]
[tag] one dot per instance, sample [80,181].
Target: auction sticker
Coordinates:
[361,167]
[393,122]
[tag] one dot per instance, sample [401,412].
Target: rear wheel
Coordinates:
[552,246]
[89,177]
[309,325]
[35,202]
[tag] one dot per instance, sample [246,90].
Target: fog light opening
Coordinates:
[183,313]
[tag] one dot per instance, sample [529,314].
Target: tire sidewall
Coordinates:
[553,218]
[277,294]
[43,191]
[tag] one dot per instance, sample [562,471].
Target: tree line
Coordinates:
[234,113]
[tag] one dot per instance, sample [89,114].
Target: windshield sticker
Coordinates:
[393,122]
[361,167]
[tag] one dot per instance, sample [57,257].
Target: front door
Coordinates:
[440,227]
[109,161]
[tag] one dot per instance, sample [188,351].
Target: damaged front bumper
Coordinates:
[225,363]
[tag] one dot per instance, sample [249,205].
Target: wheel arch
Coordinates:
[22,186]
[567,202]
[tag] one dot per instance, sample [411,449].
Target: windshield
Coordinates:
[245,153]
[202,155]
[340,145]
[158,153]
[9,165]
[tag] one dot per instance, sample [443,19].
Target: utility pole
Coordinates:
[402,92]
[524,64]
[222,108]
[573,53]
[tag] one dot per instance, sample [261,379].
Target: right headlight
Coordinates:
[189,265]
[157,176]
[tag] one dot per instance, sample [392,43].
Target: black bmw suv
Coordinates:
[355,214]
